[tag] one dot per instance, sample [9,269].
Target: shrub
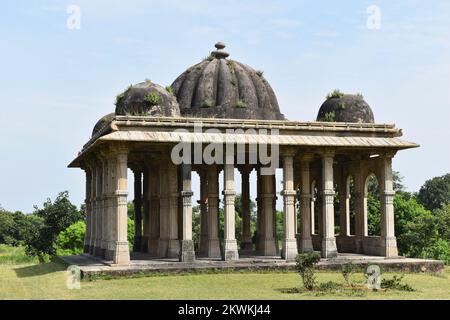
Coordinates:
[329,117]
[208,103]
[71,240]
[152,99]
[396,284]
[170,90]
[259,73]
[241,104]
[305,266]
[335,94]
[348,270]
[330,286]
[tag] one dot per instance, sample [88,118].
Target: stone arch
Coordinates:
[372,204]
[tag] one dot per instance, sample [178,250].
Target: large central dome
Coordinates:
[221,88]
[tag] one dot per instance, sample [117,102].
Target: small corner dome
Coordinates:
[147,99]
[103,122]
[218,87]
[340,107]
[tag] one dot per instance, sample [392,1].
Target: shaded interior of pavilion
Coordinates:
[324,191]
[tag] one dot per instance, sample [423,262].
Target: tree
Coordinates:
[435,192]
[71,240]
[55,217]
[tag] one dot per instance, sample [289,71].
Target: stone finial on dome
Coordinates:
[220,53]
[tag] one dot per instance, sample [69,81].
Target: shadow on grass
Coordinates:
[39,269]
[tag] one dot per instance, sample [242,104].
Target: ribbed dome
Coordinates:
[147,99]
[222,88]
[341,107]
[104,121]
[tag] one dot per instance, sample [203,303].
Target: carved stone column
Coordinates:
[306,200]
[213,249]
[259,210]
[203,202]
[387,207]
[246,242]
[120,250]
[145,195]
[187,253]
[361,227]
[99,209]
[268,242]
[87,237]
[154,234]
[104,201]
[137,210]
[163,242]
[329,249]
[93,170]
[289,251]
[173,249]
[230,251]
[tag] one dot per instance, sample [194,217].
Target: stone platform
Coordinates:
[144,264]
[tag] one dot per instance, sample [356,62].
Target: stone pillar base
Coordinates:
[137,243]
[213,249]
[87,249]
[187,251]
[173,250]
[269,247]
[306,245]
[390,247]
[153,247]
[290,250]
[230,251]
[163,244]
[143,245]
[247,245]
[329,249]
[121,253]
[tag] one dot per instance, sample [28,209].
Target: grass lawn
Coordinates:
[48,281]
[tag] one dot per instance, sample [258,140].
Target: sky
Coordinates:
[56,81]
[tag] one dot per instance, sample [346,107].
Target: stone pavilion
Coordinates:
[324,162]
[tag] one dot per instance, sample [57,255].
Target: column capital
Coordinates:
[306,158]
[388,154]
[327,153]
[288,152]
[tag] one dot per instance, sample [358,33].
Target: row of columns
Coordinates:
[326,210]
[106,206]
[164,233]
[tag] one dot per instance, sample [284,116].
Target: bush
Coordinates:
[305,266]
[152,99]
[396,284]
[330,286]
[348,270]
[71,240]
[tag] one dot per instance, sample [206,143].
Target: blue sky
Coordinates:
[55,82]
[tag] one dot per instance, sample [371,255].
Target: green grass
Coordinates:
[48,281]
[14,255]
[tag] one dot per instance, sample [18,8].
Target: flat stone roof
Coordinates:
[290,133]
